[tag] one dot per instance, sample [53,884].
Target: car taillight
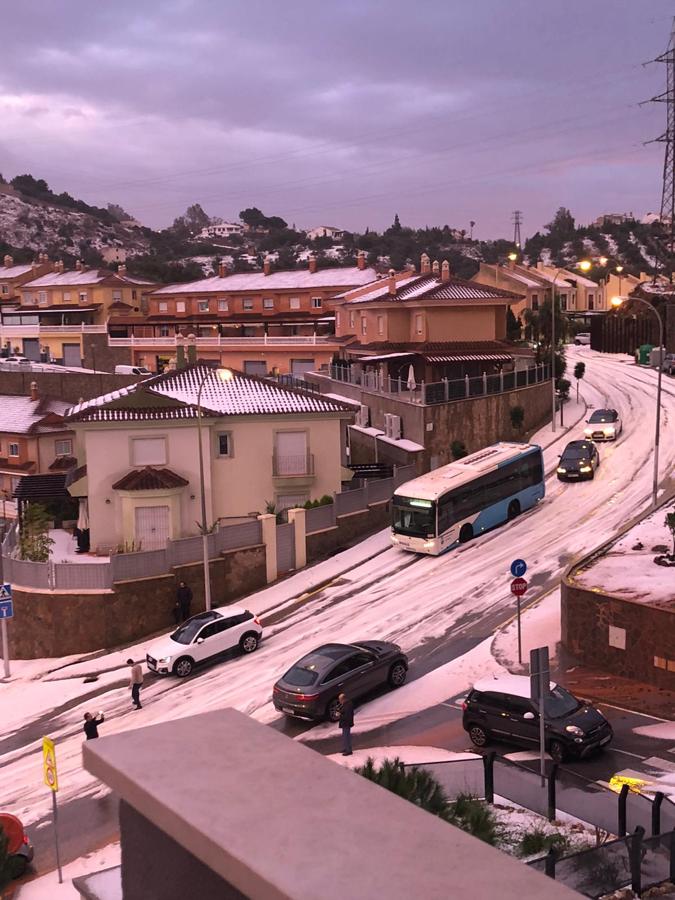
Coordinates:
[465,706]
[304,697]
[25,838]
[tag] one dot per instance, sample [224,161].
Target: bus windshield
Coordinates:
[414,517]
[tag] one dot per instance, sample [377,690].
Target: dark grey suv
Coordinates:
[501,708]
[310,688]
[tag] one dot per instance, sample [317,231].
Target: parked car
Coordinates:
[578,460]
[603,425]
[19,848]
[310,688]
[668,364]
[203,637]
[16,360]
[501,708]
[582,338]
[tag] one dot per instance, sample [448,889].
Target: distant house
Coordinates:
[223,229]
[322,231]
[114,254]
[263,443]
[613,219]
[13,276]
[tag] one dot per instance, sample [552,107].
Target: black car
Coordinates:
[311,688]
[501,708]
[579,460]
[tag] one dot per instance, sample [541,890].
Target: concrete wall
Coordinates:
[62,623]
[347,530]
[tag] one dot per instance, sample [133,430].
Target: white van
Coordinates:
[132,370]
[582,339]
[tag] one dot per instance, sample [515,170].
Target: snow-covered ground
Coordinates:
[450,602]
[628,569]
[47,887]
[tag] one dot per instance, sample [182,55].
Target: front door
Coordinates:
[152,527]
[72,355]
[523,729]
[213,639]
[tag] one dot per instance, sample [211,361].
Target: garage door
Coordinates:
[72,355]
[31,349]
[255,367]
[300,366]
[151,527]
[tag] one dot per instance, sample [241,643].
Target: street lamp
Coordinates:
[209,375]
[619,270]
[553,286]
[616,302]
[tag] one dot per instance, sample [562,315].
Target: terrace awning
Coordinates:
[472,357]
[383,357]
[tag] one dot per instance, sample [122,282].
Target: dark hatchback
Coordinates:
[500,708]
[579,460]
[310,689]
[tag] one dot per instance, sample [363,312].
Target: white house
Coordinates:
[325,231]
[223,229]
[263,443]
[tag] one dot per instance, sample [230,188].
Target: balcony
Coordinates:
[262,340]
[29,331]
[295,466]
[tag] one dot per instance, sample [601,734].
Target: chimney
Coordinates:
[436,267]
[78,265]
[34,395]
[8,261]
[391,283]
[445,271]
[122,269]
[360,259]
[267,266]
[222,270]
[425,264]
[58,266]
[312,264]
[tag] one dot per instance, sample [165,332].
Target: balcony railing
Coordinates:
[262,339]
[288,466]
[28,331]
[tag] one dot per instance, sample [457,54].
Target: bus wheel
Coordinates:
[514,509]
[465,534]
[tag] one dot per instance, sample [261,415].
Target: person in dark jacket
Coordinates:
[346,723]
[184,598]
[91,724]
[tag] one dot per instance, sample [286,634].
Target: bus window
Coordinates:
[417,522]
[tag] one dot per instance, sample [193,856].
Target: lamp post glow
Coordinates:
[513,257]
[616,302]
[219,375]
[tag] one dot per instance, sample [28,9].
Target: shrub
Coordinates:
[34,540]
[413,784]
[537,841]
[475,817]
[517,414]
[458,449]
[564,388]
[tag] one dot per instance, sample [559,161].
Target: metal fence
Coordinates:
[319,518]
[444,391]
[81,576]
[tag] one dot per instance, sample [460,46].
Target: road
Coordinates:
[438,609]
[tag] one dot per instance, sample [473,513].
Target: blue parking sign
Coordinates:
[6,604]
[518,568]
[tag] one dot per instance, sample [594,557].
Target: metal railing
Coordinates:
[293,464]
[264,340]
[444,391]
[28,331]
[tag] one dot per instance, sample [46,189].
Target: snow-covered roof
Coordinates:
[14,271]
[21,415]
[430,287]
[291,279]
[240,395]
[81,276]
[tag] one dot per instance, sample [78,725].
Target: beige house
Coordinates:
[263,443]
[12,275]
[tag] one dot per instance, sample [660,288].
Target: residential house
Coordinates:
[222,229]
[613,219]
[523,280]
[578,294]
[263,444]
[57,309]
[322,231]
[258,322]
[33,439]
[13,276]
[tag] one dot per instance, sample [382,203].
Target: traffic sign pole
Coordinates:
[520,643]
[56,836]
[51,779]
[5,646]
[6,612]
[518,588]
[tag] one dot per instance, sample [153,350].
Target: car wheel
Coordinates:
[514,510]
[556,751]
[397,674]
[333,710]
[249,642]
[183,667]
[465,534]
[478,735]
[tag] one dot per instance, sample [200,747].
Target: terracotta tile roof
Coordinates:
[463,347]
[41,487]
[149,479]
[240,395]
[21,415]
[431,287]
[12,464]
[63,462]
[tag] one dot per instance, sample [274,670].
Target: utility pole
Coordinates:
[668,138]
[517,222]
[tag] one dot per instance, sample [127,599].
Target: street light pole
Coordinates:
[555,278]
[205,535]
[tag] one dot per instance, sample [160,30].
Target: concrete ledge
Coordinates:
[275,820]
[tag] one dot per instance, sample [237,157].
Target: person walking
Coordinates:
[91,724]
[346,723]
[135,682]
[184,597]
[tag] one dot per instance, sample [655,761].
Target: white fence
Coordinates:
[265,340]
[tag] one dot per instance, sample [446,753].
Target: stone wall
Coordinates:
[67,386]
[63,623]
[647,631]
[98,355]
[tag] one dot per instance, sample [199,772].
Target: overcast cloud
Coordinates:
[344,113]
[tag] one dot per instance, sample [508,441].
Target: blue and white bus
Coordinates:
[456,502]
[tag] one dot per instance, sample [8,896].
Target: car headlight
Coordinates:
[394,539]
[609,429]
[586,468]
[575,730]
[561,470]
[164,660]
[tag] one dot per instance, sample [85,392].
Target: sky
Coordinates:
[443,111]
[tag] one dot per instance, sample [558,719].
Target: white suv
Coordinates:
[203,637]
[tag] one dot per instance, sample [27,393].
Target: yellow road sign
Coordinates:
[50,775]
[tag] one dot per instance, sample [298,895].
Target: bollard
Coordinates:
[656,812]
[549,863]
[489,776]
[551,792]
[623,796]
[635,855]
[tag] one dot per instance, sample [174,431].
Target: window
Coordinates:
[351,319]
[28,298]
[563,301]
[494,700]
[343,668]
[268,303]
[591,301]
[203,305]
[66,296]
[290,501]
[117,296]
[180,306]
[337,321]
[13,449]
[380,324]
[224,439]
[213,629]
[5,289]
[535,302]
[82,296]
[223,306]
[64,448]
[419,323]
[133,295]
[163,306]
[164,331]
[364,325]
[42,298]
[294,303]
[317,302]
[519,705]
[247,303]
[148,451]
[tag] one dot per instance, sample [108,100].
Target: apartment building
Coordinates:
[13,276]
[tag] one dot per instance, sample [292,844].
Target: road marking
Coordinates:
[626,753]
[456,705]
[657,763]
[633,712]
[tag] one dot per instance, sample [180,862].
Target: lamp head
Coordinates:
[603,260]
[618,269]
[513,257]
[585,265]
[225,374]
[617,301]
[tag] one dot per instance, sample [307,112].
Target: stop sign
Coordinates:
[518,586]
